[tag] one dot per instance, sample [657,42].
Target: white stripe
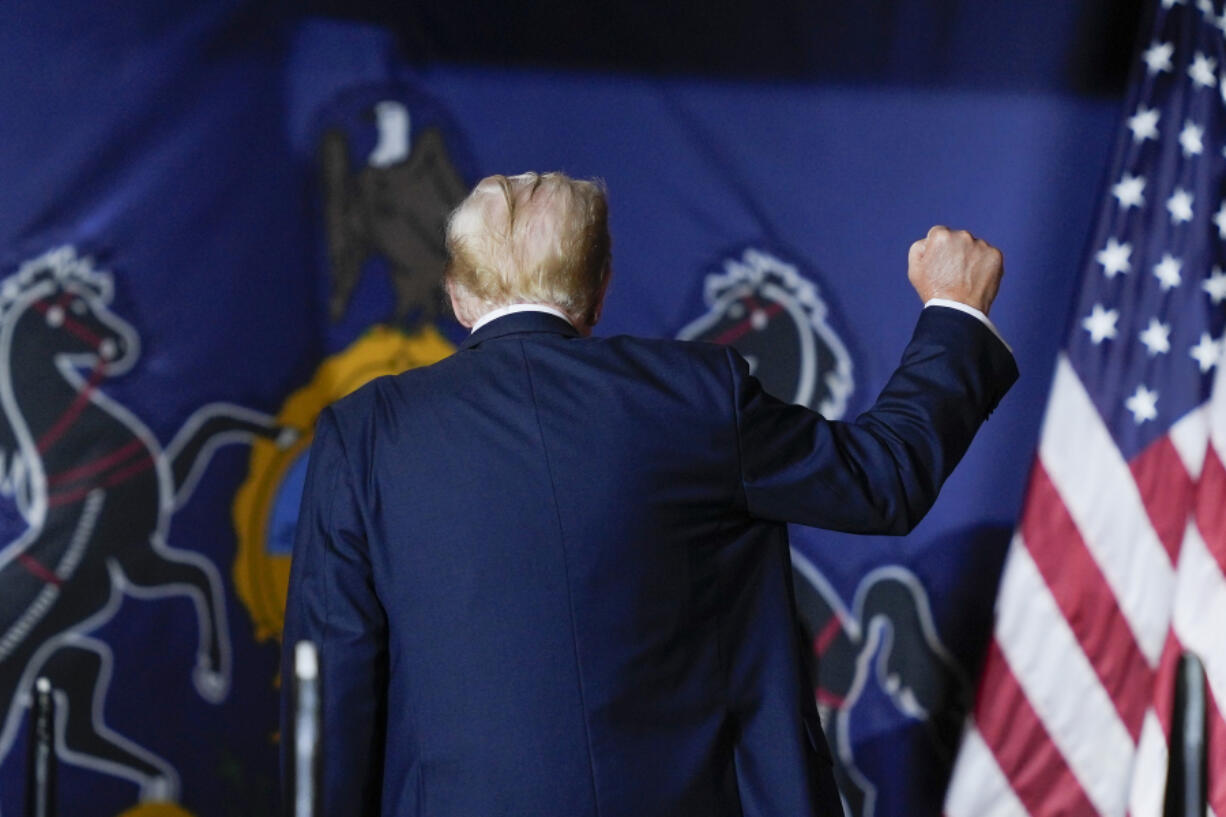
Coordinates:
[1200,608]
[1060,684]
[1149,773]
[1097,488]
[1214,658]
[1217,410]
[978,788]
[1190,436]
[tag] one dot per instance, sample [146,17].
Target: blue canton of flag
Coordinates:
[1151,320]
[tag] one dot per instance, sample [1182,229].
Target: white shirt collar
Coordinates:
[513,308]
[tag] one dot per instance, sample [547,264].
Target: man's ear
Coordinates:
[457,304]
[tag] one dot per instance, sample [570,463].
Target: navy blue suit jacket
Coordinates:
[549,575]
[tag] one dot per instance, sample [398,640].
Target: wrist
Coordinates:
[978,304]
[973,311]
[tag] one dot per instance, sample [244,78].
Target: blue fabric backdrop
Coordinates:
[179,154]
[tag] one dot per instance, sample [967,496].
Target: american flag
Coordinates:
[1119,561]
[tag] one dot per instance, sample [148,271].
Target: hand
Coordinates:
[956,266]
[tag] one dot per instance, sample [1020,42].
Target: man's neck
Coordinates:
[513,308]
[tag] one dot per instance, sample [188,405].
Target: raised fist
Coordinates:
[957,266]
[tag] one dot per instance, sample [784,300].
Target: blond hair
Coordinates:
[531,238]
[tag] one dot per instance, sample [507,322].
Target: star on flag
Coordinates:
[1143,404]
[1190,139]
[1158,57]
[1115,258]
[1129,191]
[1144,124]
[1167,271]
[1156,337]
[1215,285]
[1202,70]
[1219,219]
[1100,323]
[1179,205]
[1207,352]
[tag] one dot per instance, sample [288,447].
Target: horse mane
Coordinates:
[62,267]
[759,268]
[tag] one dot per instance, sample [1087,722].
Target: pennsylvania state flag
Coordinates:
[216,219]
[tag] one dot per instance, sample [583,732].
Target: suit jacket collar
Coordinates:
[520,323]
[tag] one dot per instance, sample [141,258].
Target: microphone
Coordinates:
[40,767]
[1186,778]
[306,739]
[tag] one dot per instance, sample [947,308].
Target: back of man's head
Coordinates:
[531,238]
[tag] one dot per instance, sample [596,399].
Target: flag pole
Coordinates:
[1186,780]
[40,768]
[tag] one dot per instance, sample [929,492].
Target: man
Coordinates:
[549,575]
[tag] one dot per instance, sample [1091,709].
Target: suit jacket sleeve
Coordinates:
[332,602]
[881,472]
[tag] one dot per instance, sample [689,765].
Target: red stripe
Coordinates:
[1036,770]
[1164,681]
[823,640]
[1211,508]
[38,569]
[1085,600]
[72,413]
[1211,523]
[94,466]
[1167,491]
[1217,757]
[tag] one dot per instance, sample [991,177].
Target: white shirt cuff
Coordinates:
[973,312]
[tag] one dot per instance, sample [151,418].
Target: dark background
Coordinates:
[1080,47]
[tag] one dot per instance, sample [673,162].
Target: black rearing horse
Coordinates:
[95,492]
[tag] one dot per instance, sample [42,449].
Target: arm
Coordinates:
[881,473]
[332,602]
